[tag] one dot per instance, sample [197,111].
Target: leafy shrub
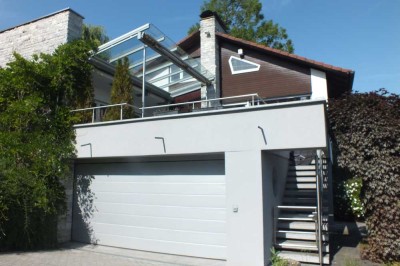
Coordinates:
[342,209]
[276,260]
[365,129]
[36,141]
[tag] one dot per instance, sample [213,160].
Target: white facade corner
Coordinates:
[319,87]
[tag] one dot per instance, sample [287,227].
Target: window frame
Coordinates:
[235,72]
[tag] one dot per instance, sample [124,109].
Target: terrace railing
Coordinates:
[97,114]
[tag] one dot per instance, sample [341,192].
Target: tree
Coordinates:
[366,130]
[37,141]
[94,35]
[245,20]
[121,92]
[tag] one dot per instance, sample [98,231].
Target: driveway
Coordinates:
[75,254]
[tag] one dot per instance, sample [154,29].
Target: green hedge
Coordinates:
[366,132]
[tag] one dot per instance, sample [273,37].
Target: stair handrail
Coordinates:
[319,189]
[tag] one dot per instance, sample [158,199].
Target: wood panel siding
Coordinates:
[188,97]
[276,77]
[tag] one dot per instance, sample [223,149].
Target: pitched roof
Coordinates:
[280,53]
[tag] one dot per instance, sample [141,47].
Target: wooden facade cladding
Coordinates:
[276,77]
[188,97]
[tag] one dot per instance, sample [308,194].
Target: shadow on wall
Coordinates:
[83,210]
[275,167]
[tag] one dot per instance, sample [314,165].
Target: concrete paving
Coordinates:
[76,254]
[345,241]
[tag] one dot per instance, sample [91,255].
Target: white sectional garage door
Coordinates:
[175,207]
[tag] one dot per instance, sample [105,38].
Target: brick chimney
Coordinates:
[210,23]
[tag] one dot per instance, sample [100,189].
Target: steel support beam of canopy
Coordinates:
[159,48]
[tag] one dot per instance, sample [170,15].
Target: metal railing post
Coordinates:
[275,225]
[318,163]
[120,112]
[144,81]
[93,115]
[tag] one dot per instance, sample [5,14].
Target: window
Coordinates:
[177,74]
[239,65]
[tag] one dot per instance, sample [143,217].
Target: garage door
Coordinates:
[175,207]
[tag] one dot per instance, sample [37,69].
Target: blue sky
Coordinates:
[362,35]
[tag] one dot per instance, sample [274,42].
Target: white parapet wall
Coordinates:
[42,35]
[292,125]
[255,142]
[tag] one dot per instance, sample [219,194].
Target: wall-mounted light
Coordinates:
[208,34]
[240,52]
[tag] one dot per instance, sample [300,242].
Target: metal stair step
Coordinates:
[301,179]
[302,167]
[299,225]
[299,245]
[300,201]
[295,217]
[299,235]
[305,257]
[296,225]
[301,192]
[301,186]
[302,173]
[300,211]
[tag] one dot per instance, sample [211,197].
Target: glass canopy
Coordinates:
[152,54]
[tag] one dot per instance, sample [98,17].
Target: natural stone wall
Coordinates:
[210,56]
[43,35]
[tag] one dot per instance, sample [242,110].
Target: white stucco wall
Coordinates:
[43,35]
[245,244]
[249,161]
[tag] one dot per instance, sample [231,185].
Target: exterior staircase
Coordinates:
[301,224]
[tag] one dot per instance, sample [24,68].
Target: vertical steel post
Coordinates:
[318,163]
[120,112]
[93,115]
[144,80]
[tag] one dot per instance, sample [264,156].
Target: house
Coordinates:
[229,155]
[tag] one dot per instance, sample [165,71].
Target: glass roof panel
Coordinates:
[160,70]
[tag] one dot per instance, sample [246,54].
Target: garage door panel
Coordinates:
[186,168]
[164,200]
[176,207]
[218,214]
[188,249]
[197,225]
[160,188]
[161,234]
[171,179]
